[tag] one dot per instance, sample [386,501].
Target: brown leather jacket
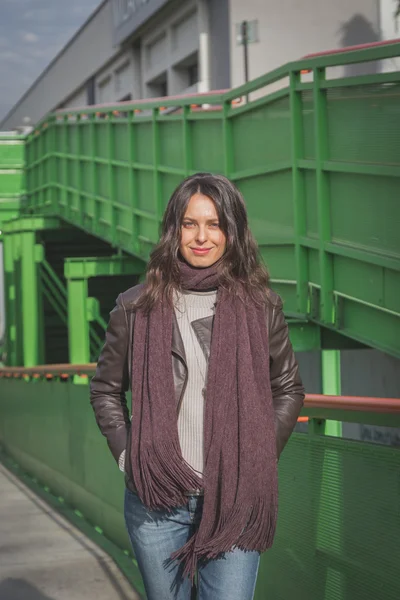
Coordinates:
[113,374]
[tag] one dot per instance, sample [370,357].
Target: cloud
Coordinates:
[12,57]
[79,10]
[30,37]
[41,15]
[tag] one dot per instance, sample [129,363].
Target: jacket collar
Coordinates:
[177,342]
[203,331]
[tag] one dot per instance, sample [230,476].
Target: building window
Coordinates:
[156,52]
[158,87]
[105,90]
[193,74]
[123,79]
[186,75]
[91,91]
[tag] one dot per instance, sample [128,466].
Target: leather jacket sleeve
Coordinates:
[286,385]
[111,381]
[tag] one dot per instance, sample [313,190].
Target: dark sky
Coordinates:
[32,32]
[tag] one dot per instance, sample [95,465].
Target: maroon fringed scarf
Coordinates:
[240,473]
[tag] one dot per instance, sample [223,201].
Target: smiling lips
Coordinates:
[201,251]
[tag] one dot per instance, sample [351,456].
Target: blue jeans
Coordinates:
[156,534]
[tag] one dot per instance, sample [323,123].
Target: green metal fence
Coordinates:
[339,521]
[318,161]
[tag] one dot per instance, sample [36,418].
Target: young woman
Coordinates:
[216,393]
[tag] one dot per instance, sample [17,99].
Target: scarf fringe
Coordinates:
[248,533]
[164,477]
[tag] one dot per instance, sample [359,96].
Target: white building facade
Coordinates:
[132,49]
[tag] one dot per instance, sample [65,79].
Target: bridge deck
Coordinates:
[44,557]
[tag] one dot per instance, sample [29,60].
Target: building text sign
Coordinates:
[128,15]
[124,9]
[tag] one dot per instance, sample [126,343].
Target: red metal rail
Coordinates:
[361,403]
[128,103]
[351,48]
[353,403]
[48,371]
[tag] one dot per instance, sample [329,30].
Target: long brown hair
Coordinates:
[240,266]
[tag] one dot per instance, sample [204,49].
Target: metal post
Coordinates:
[9,297]
[228,139]
[30,303]
[132,185]
[299,196]
[330,534]
[323,193]
[78,326]
[156,162]
[204,84]
[245,42]
[331,384]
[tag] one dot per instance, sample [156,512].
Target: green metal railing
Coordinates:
[339,520]
[54,290]
[318,162]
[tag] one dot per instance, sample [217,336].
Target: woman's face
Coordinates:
[202,240]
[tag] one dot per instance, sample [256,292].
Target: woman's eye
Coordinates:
[215,225]
[186,225]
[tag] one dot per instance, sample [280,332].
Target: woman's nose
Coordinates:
[201,235]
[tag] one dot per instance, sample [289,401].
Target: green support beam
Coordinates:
[299,196]
[84,268]
[34,223]
[81,308]
[305,336]
[323,195]
[78,325]
[330,535]
[24,309]
[331,384]
[30,299]
[10,301]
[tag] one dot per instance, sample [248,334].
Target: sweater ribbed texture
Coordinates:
[190,307]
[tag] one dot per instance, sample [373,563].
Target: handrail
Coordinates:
[131,103]
[54,370]
[353,48]
[351,403]
[354,403]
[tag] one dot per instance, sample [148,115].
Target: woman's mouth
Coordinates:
[201,251]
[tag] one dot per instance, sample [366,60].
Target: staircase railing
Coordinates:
[56,293]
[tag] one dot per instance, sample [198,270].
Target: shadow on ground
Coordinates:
[20,589]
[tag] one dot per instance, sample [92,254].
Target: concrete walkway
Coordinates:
[44,557]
